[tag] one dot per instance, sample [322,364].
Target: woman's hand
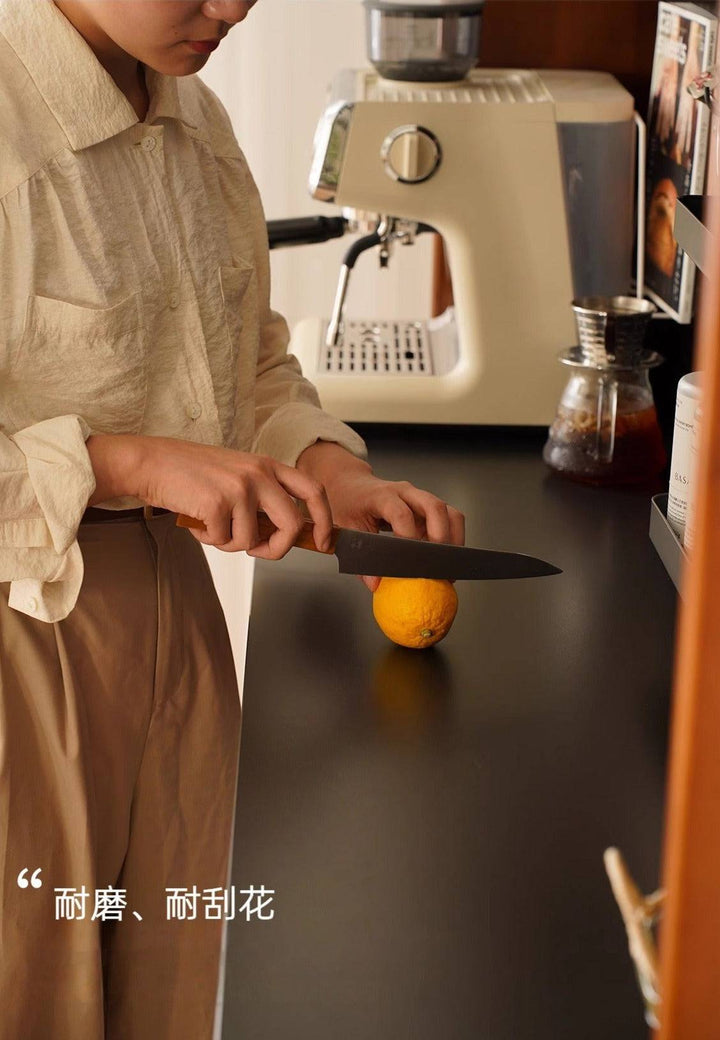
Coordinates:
[223,488]
[362,501]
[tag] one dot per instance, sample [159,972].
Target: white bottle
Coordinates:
[688,399]
[691,518]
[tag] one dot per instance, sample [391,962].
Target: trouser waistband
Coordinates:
[94,515]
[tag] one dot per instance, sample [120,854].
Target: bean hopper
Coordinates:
[528,176]
[606,428]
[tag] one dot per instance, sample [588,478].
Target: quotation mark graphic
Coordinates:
[35,880]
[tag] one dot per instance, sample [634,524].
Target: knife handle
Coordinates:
[266,527]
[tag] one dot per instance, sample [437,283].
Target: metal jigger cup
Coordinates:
[611,329]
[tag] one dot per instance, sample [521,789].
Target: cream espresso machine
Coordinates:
[528,176]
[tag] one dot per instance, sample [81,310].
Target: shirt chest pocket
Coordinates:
[234,282]
[85,360]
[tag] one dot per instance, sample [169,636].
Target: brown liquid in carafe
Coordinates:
[638,454]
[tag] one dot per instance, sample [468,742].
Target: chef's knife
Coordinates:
[387,555]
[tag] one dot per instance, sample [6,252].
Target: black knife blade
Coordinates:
[360,552]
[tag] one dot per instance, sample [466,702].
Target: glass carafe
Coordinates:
[606,429]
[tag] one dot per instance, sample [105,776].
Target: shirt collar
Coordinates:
[171,97]
[83,97]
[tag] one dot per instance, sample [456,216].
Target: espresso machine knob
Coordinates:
[411,154]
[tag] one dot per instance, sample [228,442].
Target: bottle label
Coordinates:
[680,462]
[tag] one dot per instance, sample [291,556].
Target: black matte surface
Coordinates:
[433,822]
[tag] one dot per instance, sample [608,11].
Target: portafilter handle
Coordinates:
[303,231]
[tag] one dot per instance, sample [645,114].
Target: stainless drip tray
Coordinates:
[382,348]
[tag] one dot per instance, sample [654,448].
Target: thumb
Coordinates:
[370,582]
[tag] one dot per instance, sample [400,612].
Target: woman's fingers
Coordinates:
[431,517]
[413,513]
[231,521]
[287,521]
[457,526]
[244,527]
[314,495]
[218,529]
[398,513]
[275,499]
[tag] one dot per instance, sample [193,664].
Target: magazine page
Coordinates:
[677,148]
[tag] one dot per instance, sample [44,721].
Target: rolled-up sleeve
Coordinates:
[288,415]
[46,480]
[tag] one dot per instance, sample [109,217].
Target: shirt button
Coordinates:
[194,410]
[174,300]
[148,143]
[32,604]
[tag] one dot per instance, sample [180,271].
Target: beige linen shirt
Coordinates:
[134,293]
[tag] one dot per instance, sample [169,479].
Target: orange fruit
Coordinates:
[415,612]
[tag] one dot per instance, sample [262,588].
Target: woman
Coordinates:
[143,375]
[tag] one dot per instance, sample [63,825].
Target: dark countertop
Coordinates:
[433,822]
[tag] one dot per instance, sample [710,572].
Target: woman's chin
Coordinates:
[177,64]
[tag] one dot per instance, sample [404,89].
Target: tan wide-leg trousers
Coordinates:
[119,739]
